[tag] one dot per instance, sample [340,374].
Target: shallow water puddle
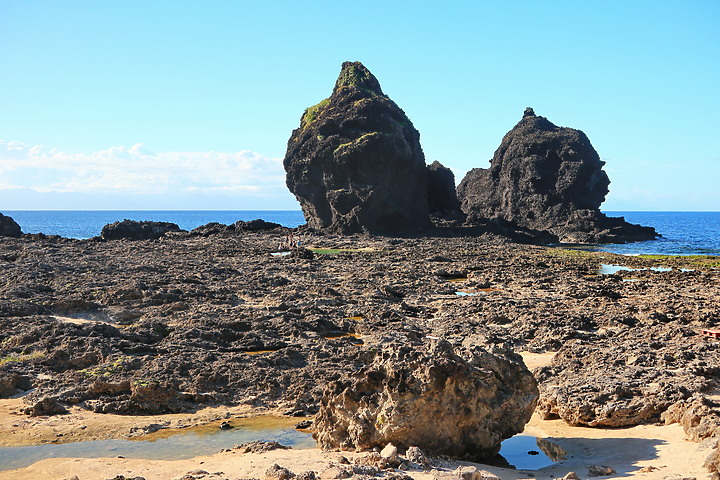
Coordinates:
[456,279]
[524,452]
[465,293]
[356,336]
[84,317]
[609,269]
[332,251]
[475,292]
[169,444]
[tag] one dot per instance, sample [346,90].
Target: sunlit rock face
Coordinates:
[355,163]
[459,400]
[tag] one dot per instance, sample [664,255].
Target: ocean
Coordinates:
[683,233]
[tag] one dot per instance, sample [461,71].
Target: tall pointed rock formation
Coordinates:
[355,163]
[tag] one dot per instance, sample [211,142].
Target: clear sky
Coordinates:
[189,105]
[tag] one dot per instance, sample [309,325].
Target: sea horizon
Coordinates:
[682,232]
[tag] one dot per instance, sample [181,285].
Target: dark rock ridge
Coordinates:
[442,196]
[8,227]
[134,230]
[355,163]
[256,225]
[547,178]
[460,401]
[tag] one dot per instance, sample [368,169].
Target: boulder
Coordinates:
[355,163]
[442,196]
[134,230]
[460,401]
[547,178]
[8,227]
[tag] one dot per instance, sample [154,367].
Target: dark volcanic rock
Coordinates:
[256,225]
[355,164]
[547,178]
[460,401]
[441,192]
[133,230]
[8,227]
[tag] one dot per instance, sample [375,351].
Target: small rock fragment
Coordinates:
[276,472]
[415,455]
[468,473]
[389,453]
[304,425]
[336,472]
[600,470]
[308,475]
[259,447]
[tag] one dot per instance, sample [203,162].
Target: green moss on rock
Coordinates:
[311,113]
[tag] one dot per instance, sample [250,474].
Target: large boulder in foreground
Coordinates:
[355,163]
[8,227]
[458,401]
[134,230]
[547,178]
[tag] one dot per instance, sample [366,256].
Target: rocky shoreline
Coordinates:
[188,321]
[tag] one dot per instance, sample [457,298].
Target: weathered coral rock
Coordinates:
[8,227]
[594,384]
[355,163]
[547,178]
[134,230]
[456,401]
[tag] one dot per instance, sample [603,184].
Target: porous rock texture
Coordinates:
[460,401]
[547,178]
[8,227]
[355,163]
[134,230]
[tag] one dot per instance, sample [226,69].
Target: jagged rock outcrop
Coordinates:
[8,227]
[134,230]
[442,196]
[459,401]
[547,178]
[355,163]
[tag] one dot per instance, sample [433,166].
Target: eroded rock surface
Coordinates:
[134,230]
[8,227]
[454,401]
[547,178]
[355,163]
[193,320]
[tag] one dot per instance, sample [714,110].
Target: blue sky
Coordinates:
[163,105]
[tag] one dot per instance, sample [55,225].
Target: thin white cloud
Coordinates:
[138,170]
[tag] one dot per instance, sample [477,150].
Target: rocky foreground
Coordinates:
[186,321]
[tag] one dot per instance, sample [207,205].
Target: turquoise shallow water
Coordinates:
[683,233]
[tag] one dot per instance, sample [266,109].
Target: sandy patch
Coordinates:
[661,450]
[535,360]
